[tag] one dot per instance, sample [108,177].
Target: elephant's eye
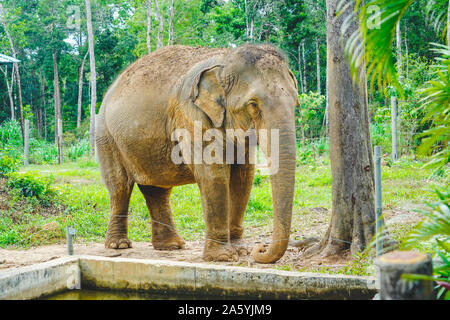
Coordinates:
[253,104]
[253,108]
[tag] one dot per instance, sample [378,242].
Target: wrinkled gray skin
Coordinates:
[248,87]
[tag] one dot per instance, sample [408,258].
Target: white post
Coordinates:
[378,202]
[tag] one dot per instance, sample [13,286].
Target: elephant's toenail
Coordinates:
[123,245]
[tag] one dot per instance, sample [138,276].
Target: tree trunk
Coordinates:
[159,43]
[394,105]
[149,25]
[44,107]
[327,104]
[305,87]
[56,95]
[93,78]
[15,67]
[392,266]
[41,104]
[9,88]
[318,66]
[80,89]
[300,72]
[399,52]
[45,121]
[352,224]
[58,117]
[246,20]
[171,22]
[406,53]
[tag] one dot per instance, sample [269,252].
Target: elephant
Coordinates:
[247,87]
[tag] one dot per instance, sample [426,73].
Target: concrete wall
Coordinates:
[177,278]
[207,279]
[32,282]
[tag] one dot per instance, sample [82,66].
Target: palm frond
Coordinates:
[371,45]
[436,227]
[436,103]
[436,224]
[436,13]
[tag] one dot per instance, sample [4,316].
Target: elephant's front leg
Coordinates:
[241,182]
[213,181]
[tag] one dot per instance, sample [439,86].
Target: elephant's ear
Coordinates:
[296,87]
[204,89]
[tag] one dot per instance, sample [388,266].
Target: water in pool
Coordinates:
[124,295]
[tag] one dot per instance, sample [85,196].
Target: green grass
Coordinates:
[83,202]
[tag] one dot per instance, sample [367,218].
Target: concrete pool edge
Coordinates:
[35,281]
[41,279]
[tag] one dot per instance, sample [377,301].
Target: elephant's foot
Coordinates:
[117,242]
[241,247]
[218,251]
[168,243]
[236,233]
[236,240]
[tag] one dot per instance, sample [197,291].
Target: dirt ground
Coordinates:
[292,260]
[141,250]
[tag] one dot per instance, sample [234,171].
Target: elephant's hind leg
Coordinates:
[120,187]
[117,234]
[164,234]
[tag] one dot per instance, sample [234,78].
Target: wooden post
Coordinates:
[390,268]
[26,143]
[378,202]
[60,154]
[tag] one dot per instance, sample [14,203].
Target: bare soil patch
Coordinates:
[10,258]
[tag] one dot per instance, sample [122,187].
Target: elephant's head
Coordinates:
[253,88]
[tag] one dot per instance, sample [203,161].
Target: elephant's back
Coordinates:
[140,96]
[159,71]
[138,99]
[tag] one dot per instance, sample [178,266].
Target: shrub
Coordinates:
[69,139]
[381,136]
[10,133]
[78,150]
[8,165]
[309,152]
[84,163]
[309,116]
[43,152]
[30,184]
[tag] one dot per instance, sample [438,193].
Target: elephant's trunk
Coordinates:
[282,182]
